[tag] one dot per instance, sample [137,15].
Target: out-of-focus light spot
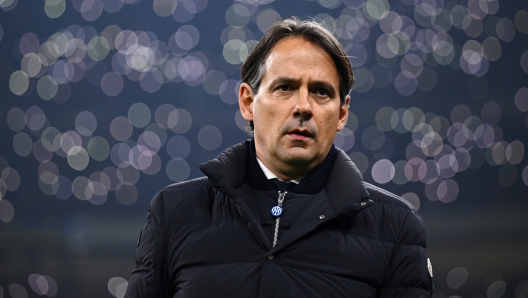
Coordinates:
[505,30]
[127,194]
[237,15]
[150,140]
[178,147]
[228,91]
[525,175]
[521,21]
[54,8]
[139,114]
[491,113]
[69,140]
[40,152]
[373,138]
[6,209]
[345,139]
[360,160]
[163,113]
[235,51]
[399,172]
[112,83]
[363,80]
[47,87]
[521,99]
[8,5]
[187,37]
[151,81]
[22,144]
[62,187]
[164,8]
[43,285]
[178,170]
[121,128]
[127,173]
[91,10]
[457,277]
[31,64]
[209,137]
[96,193]
[387,46]
[180,123]
[16,119]
[85,123]
[447,191]
[376,9]
[405,85]
[383,118]
[10,178]
[507,175]
[524,61]
[98,47]
[112,6]
[98,148]
[383,171]
[266,18]
[330,4]
[18,291]
[213,81]
[79,186]
[78,158]
[185,10]
[412,198]
[492,48]
[460,113]
[515,152]
[496,289]
[18,82]
[35,118]
[116,285]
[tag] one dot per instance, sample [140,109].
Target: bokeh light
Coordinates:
[106,101]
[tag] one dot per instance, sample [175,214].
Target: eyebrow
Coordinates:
[285,80]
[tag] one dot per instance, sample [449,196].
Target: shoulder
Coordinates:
[400,213]
[380,195]
[183,198]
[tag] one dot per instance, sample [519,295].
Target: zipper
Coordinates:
[282,195]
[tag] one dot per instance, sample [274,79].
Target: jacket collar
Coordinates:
[345,189]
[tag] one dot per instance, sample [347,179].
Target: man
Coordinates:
[285,214]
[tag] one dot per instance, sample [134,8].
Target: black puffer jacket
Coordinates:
[204,238]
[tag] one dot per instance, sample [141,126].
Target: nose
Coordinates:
[303,106]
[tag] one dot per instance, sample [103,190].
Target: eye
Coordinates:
[284,88]
[322,92]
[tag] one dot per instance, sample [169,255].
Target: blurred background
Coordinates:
[104,102]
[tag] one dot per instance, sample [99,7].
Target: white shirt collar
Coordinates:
[269,174]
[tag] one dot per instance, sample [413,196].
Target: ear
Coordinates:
[245,101]
[343,114]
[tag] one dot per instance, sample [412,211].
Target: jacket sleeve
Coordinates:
[149,278]
[410,272]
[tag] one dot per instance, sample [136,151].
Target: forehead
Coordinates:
[296,57]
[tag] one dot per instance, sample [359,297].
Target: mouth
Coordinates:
[300,134]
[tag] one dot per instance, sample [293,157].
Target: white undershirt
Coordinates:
[269,174]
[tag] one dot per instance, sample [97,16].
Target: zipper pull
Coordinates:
[276,211]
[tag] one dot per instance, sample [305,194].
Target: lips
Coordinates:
[300,134]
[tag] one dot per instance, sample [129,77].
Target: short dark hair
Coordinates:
[253,69]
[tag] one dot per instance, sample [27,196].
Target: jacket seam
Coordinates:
[397,244]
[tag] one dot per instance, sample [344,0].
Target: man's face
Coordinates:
[297,110]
